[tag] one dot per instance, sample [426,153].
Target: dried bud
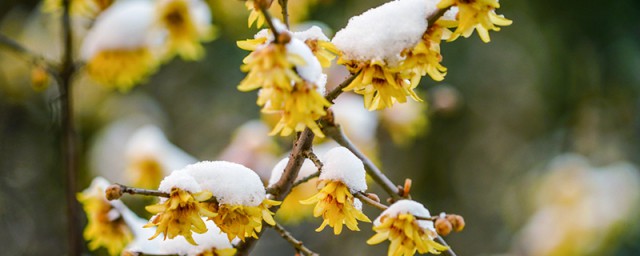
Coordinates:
[39,79]
[457,221]
[284,37]
[113,192]
[373,197]
[407,188]
[443,226]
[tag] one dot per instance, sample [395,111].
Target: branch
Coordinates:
[297,244]
[116,191]
[333,94]
[267,16]
[285,12]
[364,198]
[314,158]
[434,17]
[336,133]
[32,57]
[305,179]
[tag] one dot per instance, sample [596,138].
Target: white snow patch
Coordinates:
[311,71]
[306,169]
[342,165]
[407,206]
[312,33]
[383,32]
[213,238]
[124,25]
[179,179]
[230,183]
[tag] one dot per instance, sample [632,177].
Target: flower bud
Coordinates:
[456,221]
[284,37]
[443,226]
[39,79]
[113,192]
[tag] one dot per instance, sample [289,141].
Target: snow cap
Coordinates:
[342,165]
[382,33]
[230,183]
[407,206]
[124,25]
[179,179]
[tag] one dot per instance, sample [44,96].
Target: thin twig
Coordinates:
[363,197]
[285,11]
[434,17]
[305,179]
[314,158]
[116,191]
[297,244]
[333,94]
[30,56]
[336,133]
[267,16]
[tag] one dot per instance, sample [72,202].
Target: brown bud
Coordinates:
[113,192]
[373,197]
[457,221]
[284,37]
[407,188]
[443,226]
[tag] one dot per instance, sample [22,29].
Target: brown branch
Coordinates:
[29,55]
[116,191]
[333,94]
[285,11]
[297,244]
[314,158]
[269,18]
[434,17]
[305,179]
[364,198]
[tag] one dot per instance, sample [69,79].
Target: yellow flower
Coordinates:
[302,107]
[147,172]
[219,252]
[255,14]
[336,205]
[185,30]
[270,66]
[476,15]
[405,122]
[381,85]
[104,228]
[324,51]
[406,236]
[180,215]
[425,57]
[122,68]
[242,221]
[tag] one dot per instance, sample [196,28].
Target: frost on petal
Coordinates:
[230,183]
[311,70]
[342,165]
[411,207]
[382,33]
[312,33]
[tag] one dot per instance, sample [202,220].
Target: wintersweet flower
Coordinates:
[240,198]
[255,15]
[85,8]
[211,243]
[476,15]
[319,44]
[119,49]
[407,234]
[188,22]
[105,225]
[343,174]
[290,79]
[179,215]
[425,57]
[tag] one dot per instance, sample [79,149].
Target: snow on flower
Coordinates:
[188,22]
[106,226]
[212,242]
[240,198]
[118,49]
[342,175]
[407,234]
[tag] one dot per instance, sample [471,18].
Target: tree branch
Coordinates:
[305,179]
[333,94]
[285,11]
[30,56]
[297,244]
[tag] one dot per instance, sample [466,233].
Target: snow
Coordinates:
[179,179]
[342,165]
[149,142]
[124,25]
[312,33]
[230,183]
[407,206]
[383,32]
[213,238]
[307,169]
[311,71]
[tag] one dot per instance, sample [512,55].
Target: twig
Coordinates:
[285,11]
[297,244]
[335,132]
[434,17]
[116,191]
[314,158]
[69,146]
[305,179]
[333,94]
[363,197]
[32,57]
[267,16]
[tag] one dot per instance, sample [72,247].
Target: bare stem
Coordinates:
[363,197]
[314,158]
[116,191]
[267,16]
[336,133]
[305,179]
[30,56]
[285,11]
[297,244]
[333,94]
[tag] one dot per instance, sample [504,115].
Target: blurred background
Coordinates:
[533,138]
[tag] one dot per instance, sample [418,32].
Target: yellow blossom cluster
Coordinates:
[243,221]
[406,236]
[335,203]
